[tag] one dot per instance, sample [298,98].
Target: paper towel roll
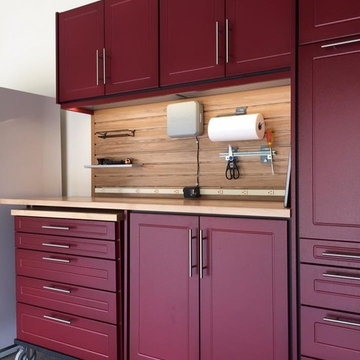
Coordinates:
[237,127]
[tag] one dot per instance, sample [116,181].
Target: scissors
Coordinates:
[232,169]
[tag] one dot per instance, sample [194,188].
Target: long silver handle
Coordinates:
[342,321]
[217,43]
[97,67]
[339,276]
[57,319]
[340,43]
[346,256]
[56,260]
[190,253]
[104,65]
[227,40]
[56,245]
[201,270]
[52,288]
[55,227]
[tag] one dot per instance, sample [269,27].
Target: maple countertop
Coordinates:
[274,209]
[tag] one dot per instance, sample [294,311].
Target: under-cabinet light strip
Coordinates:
[179,191]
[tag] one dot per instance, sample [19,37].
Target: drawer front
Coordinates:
[330,287]
[68,269]
[330,335]
[66,227]
[78,337]
[66,245]
[337,253]
[89,303]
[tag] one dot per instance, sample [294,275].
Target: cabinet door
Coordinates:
[259,33]
[328,19]
[164,298]
[244,289]
[190,45]
[80,44]
[131,39]
[329,166]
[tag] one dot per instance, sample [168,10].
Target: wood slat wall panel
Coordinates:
[172,162]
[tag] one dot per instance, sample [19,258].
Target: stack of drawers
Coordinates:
[330,299]
[68,286]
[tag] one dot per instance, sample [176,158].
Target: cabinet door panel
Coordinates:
[188,40]
[329,191]
[244,289]
[80,35]
[328,19]
[163,298]
[131,37]
[259,35]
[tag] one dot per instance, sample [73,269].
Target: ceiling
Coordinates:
[27,43]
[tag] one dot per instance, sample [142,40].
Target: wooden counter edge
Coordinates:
[256,208]
[66,214]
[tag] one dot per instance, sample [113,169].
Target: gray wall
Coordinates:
[30,165]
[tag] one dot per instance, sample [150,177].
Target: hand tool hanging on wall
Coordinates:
[232,169]
[269,139]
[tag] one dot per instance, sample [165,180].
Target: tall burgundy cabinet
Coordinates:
[208,288]
[328,19]
[329,171]
[80,46]
[329,85]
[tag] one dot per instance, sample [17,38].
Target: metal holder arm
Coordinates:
[263,153]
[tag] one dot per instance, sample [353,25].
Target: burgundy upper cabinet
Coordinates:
[244,289]
[191,40]
[80,43]
[107,51]
[131,45]
[329,128]
[258,35]
[328,19]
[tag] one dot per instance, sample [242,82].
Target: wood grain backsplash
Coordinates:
[171,163]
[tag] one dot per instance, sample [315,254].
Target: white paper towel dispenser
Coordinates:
[184,119]
[236,127]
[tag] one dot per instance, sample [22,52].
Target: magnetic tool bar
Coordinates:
[264,152]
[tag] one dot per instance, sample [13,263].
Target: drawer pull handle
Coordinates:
[346,256]
[55,227]
[339,276]
[52,288]
[57,319]
[341,321]
[56,260]
[56,245]
[340,43]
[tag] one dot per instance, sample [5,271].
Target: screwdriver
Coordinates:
[269,139]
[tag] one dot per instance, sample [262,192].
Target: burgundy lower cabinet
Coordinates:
[68,334]
[81,301]
[330,335]
[218,293]
[69,286]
